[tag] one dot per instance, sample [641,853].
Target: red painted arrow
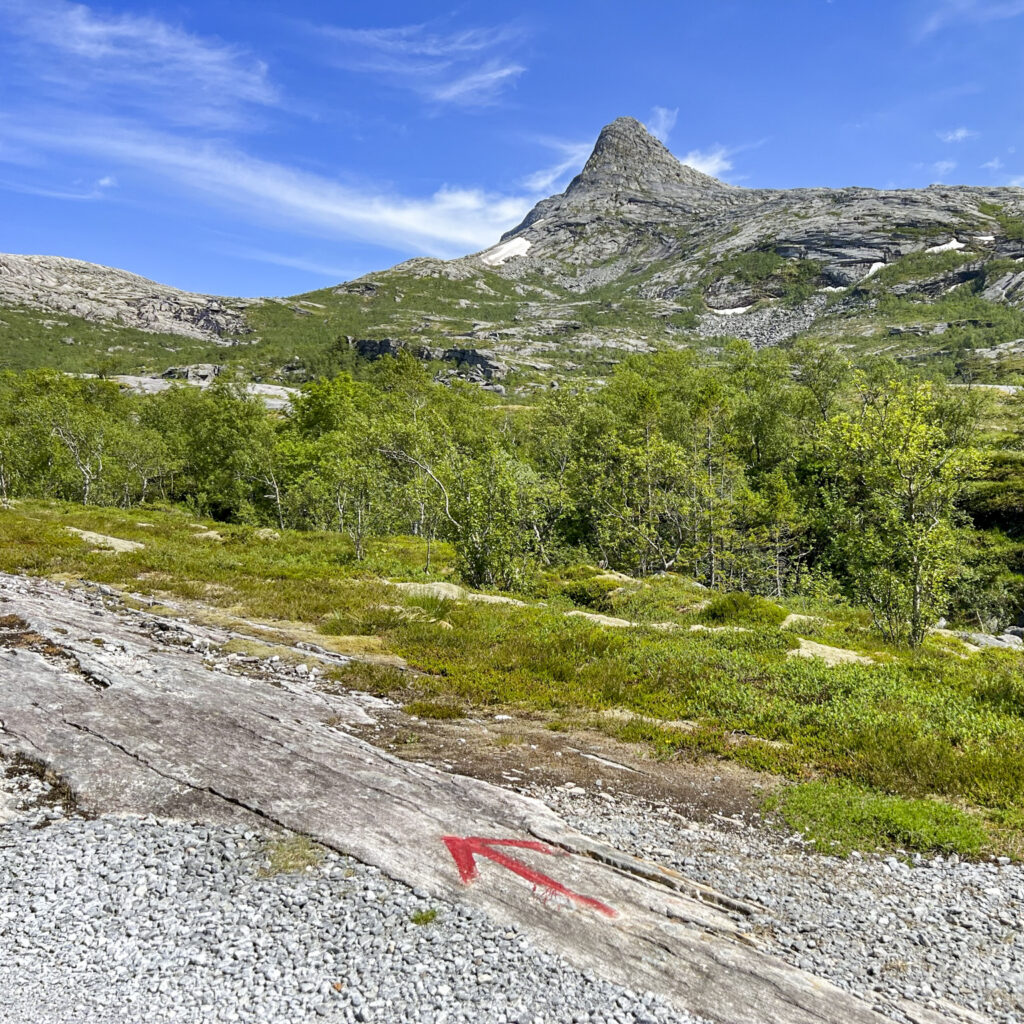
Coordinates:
[465,849]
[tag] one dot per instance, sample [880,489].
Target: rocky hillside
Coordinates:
[639,251]
[103,294]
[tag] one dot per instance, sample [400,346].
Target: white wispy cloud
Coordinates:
[449,222]
[662,121]
[117,95]
[310,266]
[573,155]
[950,12]
[134,61]
[73,193]
[715,161]
[422,41]
[477,88]
[956,135]
[468,67]
[995,164]
[943,168]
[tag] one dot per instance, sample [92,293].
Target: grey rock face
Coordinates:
[478,359]
[988,640]
[476,362]
[196,373]
[627,157]
[103,294]
[1009,288]
[273,396]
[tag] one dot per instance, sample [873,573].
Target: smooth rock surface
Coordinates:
[140,724]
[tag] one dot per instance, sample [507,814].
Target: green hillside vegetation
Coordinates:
[721,492]
[31,339]
[441,306]
[772,275]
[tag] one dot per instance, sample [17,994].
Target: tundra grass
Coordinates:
[935,725]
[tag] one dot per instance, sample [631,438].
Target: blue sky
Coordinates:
[270,148]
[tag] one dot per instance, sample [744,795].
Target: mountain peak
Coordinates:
[627,156]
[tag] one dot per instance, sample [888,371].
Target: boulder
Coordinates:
[988,640]
[481,359]
[195,373]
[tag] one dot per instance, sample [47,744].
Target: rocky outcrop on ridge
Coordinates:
[104,294]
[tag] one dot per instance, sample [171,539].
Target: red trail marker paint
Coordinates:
[465,850]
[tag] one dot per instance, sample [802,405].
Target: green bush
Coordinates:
[744,609]
[917,266]
[592,593]
[840,817]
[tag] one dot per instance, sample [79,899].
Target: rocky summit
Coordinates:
[639,252]
[635,214]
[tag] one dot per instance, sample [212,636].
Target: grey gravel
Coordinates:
[883,927]
[128,920]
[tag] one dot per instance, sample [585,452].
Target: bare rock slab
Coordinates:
[138,724]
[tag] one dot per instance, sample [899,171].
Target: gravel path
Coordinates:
[878,927]
[125,921]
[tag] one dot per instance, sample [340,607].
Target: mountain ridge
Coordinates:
[638,251]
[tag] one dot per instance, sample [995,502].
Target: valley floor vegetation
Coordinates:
[765,472]
[731,510]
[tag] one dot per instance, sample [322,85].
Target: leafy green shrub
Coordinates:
[434,709]
[745,609]
[840,817]
[917,266]
[791,280]
[592,593]
[750,267]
